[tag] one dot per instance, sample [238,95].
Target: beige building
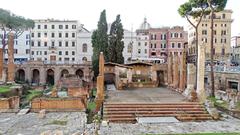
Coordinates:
[222,36]
[235,49]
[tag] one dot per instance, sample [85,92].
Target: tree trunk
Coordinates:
[212,64]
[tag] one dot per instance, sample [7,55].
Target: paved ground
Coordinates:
[143,95]
[226,125]
[31,124]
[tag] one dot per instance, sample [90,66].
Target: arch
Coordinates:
[64,72]
[50,77]
[35,76]
[84,59]
[79,73]
[84,47]
[20,75]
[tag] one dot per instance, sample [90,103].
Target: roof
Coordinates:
[116,64]
[139,63]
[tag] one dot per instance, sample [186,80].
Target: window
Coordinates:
[16,42]
[66,44]
[225,40]
[155,37]
[66,26]
[73,59]
[175,35]
[45,44]
[215,25]
[39,26]
[60,26]
[32,34]
[129,49]
[27,51]
[73,53]
[45,26]
[39,35]
[39,43]
[27,42]
[74,26]
[53,35]
[60,35]
[223,51]
[53,26]
[151,45]
[45,52]
[53,43]
[60,59]
[155,45]
[139,51]
[60,53]
[213,51]
[32,52]
[215,32]
[173,45]
[60,43]
[223,32]
[73,35]
[161,45]
[215,40]
[223,16]
[145,43]
[164,45]
[179,45]
[181,35]
[32,43]
[204,32]
[66,53]
[27,36]
[139,44]
[66,35]
[45,34]
[225,25]
[145,51]
[84,49]
[171,35]
[73,44]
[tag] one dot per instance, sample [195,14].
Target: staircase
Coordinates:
[128,112]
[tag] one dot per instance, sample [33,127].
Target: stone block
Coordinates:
[42,114]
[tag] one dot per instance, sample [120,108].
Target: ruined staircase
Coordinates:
[128,112]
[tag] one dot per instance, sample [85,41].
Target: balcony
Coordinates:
[52,48]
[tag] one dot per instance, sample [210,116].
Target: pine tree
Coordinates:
[100,42]
[116,43]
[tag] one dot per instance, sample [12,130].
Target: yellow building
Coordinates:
[222,36]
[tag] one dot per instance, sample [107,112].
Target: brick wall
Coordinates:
[59,104]
[9,103]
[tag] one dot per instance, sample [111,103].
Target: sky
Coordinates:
[158,12]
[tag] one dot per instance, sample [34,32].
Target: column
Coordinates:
[200,74]
[1,63]
[170,71]
[11,66]
[191,73]
[175,72]
[183,72]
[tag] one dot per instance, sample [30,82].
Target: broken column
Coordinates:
[200,74]
[170,71]
[1,63]
[100,83]
[175,72]
[11,66]
[183,67]
[191,73]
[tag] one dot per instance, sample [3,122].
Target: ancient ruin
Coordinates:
[11,65]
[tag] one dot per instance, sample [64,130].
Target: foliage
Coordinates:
[100,42]
[238,105]
[33,94]
[4,89]
[123,75]
[91,106]
[116,43]
[224,104]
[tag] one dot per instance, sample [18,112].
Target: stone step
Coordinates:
[167,103]
[154,106]
[154,109]
[154,112]
[122,120]
[155,115]
[194,118]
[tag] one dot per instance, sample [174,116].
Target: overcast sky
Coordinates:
[158,12]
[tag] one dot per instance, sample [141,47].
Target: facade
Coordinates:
[166,40]
[56,41]
[84,47]
[129,49]
[235,43]
[21,47]
[222,36]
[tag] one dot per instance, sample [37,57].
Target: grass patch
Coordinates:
[94,92]
[4,89]
[224,104]
[33,94]
[91,106]
[238,105]
[58,122]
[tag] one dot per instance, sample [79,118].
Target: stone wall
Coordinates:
[1,63]
[78,92]
[9,103]
[59,104]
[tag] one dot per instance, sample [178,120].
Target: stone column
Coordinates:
[129,75]
[183,72]
[175,72]
[200,74]
[191,73]
[11,66]
[43,75]
[1,63]
[170,71]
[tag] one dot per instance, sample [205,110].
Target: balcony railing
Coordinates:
[229,69]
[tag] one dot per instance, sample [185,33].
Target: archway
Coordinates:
[50,77]
[20,75]
[84,59]
[64,72]
[35,76]
[79,73]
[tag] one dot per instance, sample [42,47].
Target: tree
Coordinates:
[100,41]
[215,6]
[194,9]
[12,23]
[116,43]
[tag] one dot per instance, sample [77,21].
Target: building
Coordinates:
[166,40]
[235,44]
[222,36]
[129,50]
[57,41]
[21,47]
[84,47]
